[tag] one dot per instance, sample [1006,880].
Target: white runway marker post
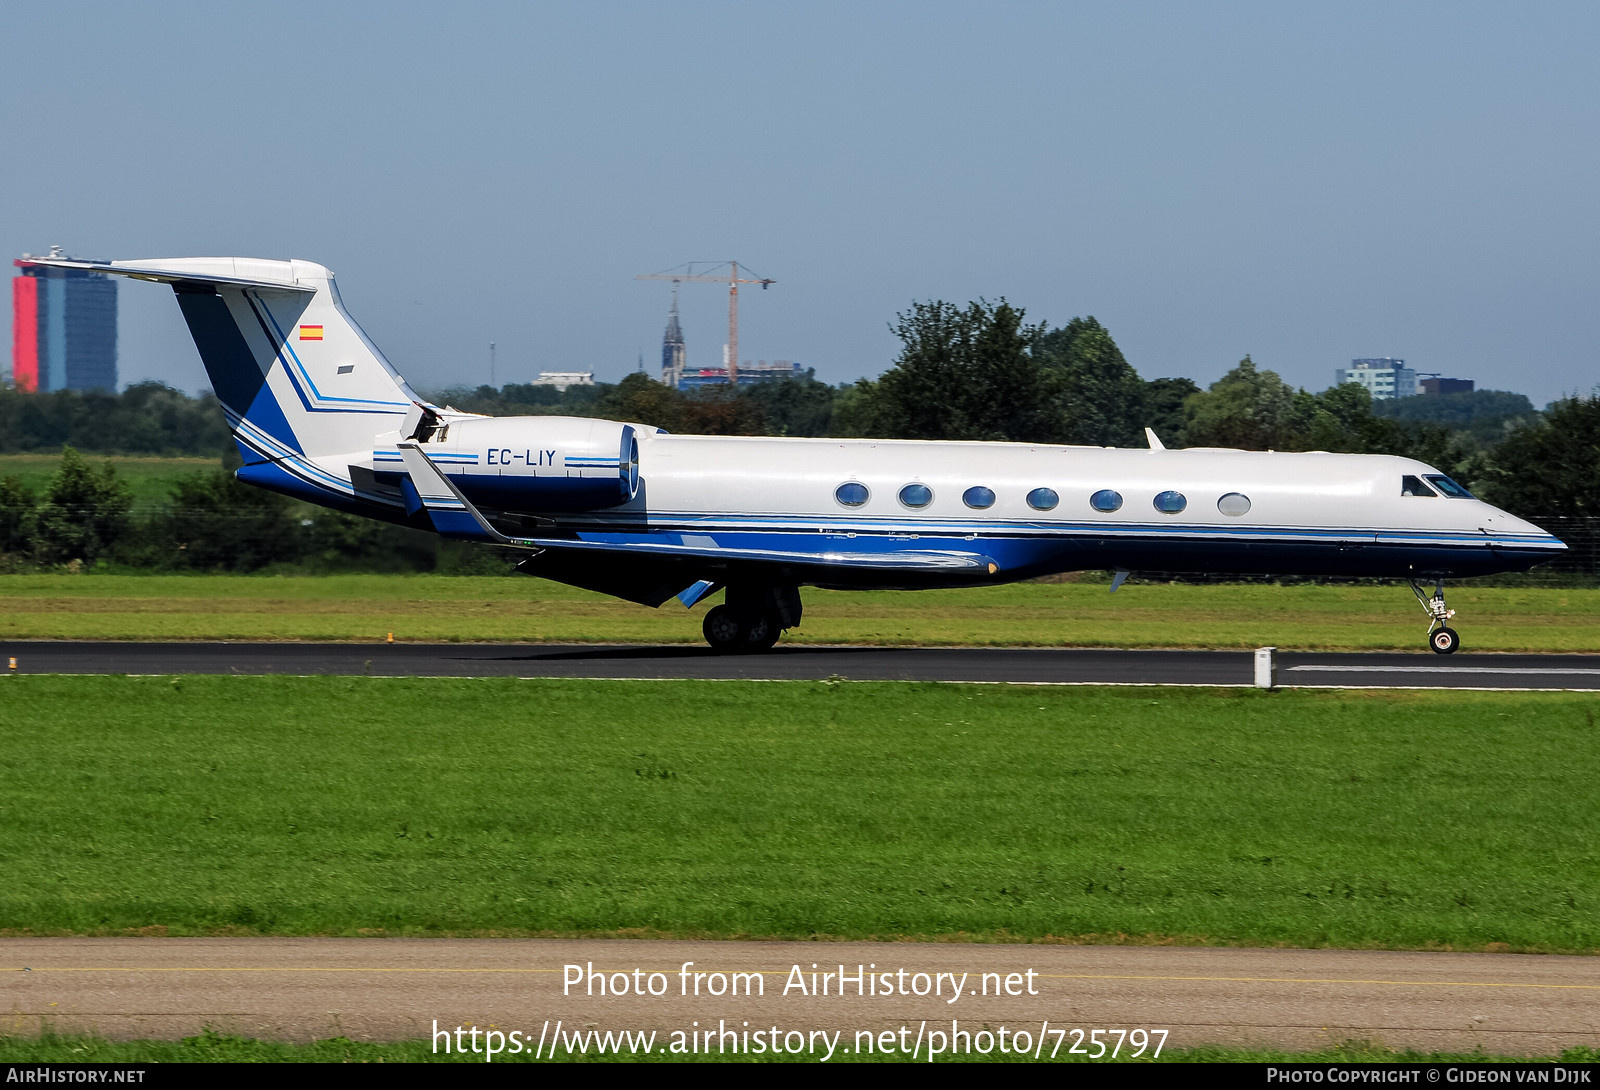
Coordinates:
[1266,667]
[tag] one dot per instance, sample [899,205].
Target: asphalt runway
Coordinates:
[392,989]
[1041,666]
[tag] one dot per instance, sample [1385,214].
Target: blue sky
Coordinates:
[1305,183]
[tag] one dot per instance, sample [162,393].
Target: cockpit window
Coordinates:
[1413,486]
[1448,487]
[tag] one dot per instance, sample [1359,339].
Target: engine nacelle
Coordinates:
[539,463]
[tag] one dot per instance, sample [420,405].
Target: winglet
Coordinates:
[1155,441]
[451,513]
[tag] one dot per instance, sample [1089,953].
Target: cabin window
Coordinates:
[852,494]
[916,495]
[1043,499]
[1413,486]
[1235,504]
[1106,500]
[1448,487]
[1170,503]
[979,497]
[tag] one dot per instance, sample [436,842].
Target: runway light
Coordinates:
[11,662]
[391,637]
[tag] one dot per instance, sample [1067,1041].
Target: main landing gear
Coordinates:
[752,618]
[1441,638]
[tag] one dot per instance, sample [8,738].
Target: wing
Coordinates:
[648,569]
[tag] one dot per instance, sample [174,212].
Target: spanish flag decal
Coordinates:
[311,333]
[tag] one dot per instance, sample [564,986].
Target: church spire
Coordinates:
[672,351]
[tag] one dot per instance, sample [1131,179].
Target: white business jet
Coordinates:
[631,511]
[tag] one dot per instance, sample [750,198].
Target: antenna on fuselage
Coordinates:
[1155,441]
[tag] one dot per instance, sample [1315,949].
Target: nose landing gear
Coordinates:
[1441,637]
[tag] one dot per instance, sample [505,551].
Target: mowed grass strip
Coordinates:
[294,806]
[422,607]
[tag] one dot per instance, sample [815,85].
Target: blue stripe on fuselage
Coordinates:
[1023,556]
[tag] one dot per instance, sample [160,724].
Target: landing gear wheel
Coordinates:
[762,632]
[723,630]
[1441,637]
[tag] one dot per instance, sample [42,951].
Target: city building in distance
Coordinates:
[63,328]
[1383,377]
[562,379]
[750,374]
[676,373]
[672,351]
[1434,385]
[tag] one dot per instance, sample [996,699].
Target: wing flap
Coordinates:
[899,560]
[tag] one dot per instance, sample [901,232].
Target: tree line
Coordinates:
[85,518]
[146,418]
[976,372]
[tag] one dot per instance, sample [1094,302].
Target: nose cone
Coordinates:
[1520,533]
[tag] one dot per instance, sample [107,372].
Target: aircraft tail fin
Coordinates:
[296,376]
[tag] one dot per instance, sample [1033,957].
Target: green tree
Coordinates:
[1340,419]
[1549,468]
[722,410]
[853,409]
[640,399]
[18,511]
[1256,410]
[962,373]
[1163,408]
[338,541]
[794,406]
[146,418]
[1246,408]
[217,523]
[86,510]
[1480,417]
[1098,398]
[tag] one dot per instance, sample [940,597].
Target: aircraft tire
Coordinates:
[763,631]
[1444,641]
[723,630]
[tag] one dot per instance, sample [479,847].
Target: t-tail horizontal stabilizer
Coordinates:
[452,514]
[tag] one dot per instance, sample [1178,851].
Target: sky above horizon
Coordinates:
[1303,183]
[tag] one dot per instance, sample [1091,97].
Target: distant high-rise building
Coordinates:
[63,329]
[1383,377]
[672,351]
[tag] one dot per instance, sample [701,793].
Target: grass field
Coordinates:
[215,1048]
[349,806]
[151,479]
[423,607]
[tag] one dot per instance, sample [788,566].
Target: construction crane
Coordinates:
[685,274]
